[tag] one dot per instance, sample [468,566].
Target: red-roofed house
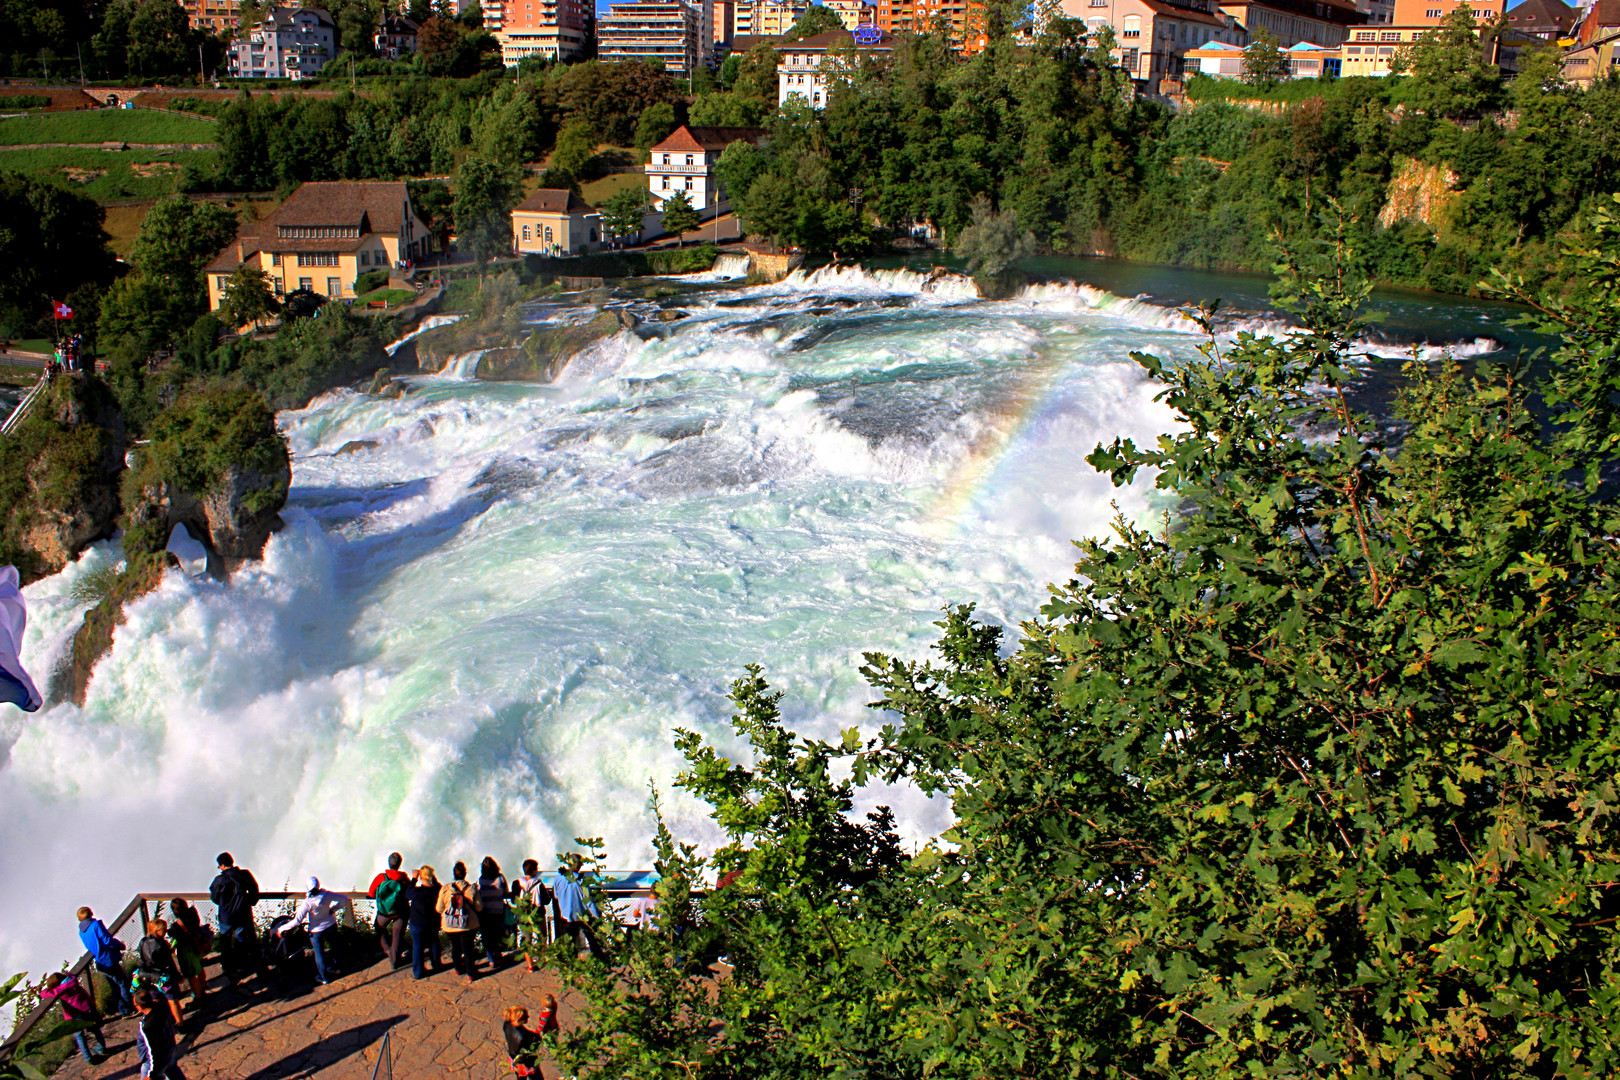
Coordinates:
[324,237]
[685,162]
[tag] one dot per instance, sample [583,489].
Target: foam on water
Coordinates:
[423,327]
[479,634]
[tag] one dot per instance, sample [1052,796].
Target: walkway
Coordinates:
[441,1028]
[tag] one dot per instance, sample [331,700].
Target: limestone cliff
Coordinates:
[1419,192]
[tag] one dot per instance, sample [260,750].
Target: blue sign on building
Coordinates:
[867,34]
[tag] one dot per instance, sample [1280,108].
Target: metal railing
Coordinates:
[24,406]
[617,884]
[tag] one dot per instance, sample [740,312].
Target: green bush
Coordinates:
[23,101]
[370,281]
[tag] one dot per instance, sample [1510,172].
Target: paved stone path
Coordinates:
[441,1027]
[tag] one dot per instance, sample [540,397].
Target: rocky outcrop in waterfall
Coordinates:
[59,474]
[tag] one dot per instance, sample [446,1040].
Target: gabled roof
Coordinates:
[1546,14]
[343,203]
[687,137]
[553,201]
[391,23]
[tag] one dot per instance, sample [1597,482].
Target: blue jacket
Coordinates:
[104,949]
[572,900]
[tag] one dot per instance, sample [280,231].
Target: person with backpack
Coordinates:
[458,910]
[234,892]
[64,989]
[492,890]
[531,898]
[107,954]
[391,889]
[156,969]
[424,922]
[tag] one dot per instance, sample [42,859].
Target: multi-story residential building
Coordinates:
[1428,13]
[395,36]
[547,29]
[1224,61]
[1153,36]
[801,71]
[324,237]
[1596,51]
[1377,11]
[963,20]
[725,21]
[212,16]
[852,13]
[685,162]
[1545,19]
[766,18]
[665,31]
[1314,22]
[554,221]
[494,13]
[288,43]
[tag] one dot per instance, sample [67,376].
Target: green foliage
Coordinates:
[485,195]
[51,243]
[53,464]
[573,153]
[679,216]
[622,211]
[177,239]
[371,280]
[729,110]
[248,297]
[653,127]
[23,101]
[1449,75]
[335,346]
[816,19]
[993,243]
[207,432]
[1315,781]
[1264,61]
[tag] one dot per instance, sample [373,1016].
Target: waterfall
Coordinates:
[730,264]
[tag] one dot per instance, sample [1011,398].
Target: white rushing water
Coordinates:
[479,634]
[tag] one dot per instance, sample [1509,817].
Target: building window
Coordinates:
[1433,13]
[548,234]
[1132,27]
[275,259]
[221,280]
[525,232]
[306,283]
[1390,35]
[365,258]
[1127,59]
[334,287]
[666,159]
[1366,35]
[689,156]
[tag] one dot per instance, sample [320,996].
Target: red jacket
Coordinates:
[397,875]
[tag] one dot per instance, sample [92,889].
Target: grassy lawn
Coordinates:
[393,296]
[105,175]
[106,125]
[460,294]
[599,191]
[35,345]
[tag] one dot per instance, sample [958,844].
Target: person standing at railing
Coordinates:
[424,922]
[531,898]
[458,908]
[318,915]
[391,889]
[156,969]
[574,903]
[234,892]
[77,1007]
[106,953]
[492,890]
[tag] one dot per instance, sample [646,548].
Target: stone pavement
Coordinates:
[441,1027]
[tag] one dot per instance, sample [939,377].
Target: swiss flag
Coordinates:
[62,310]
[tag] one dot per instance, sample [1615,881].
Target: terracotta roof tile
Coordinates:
[686,137]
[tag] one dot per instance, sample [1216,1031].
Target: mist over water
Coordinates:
[478,635]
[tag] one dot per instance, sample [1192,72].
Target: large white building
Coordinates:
[288,43]
[685,162]
[802,67]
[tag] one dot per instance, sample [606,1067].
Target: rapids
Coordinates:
[480,634]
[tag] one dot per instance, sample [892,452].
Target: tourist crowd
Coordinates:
[476,917]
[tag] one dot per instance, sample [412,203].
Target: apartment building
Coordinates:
[395,36]
[324,237]
[288,43]
[1154,36]
[665,31]
[545,29]
[766,18]
[963,20]
[212,16]
[1596,51]
[1313,22]
[852,13]
[1427,13]
[685,162]
[802,73]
